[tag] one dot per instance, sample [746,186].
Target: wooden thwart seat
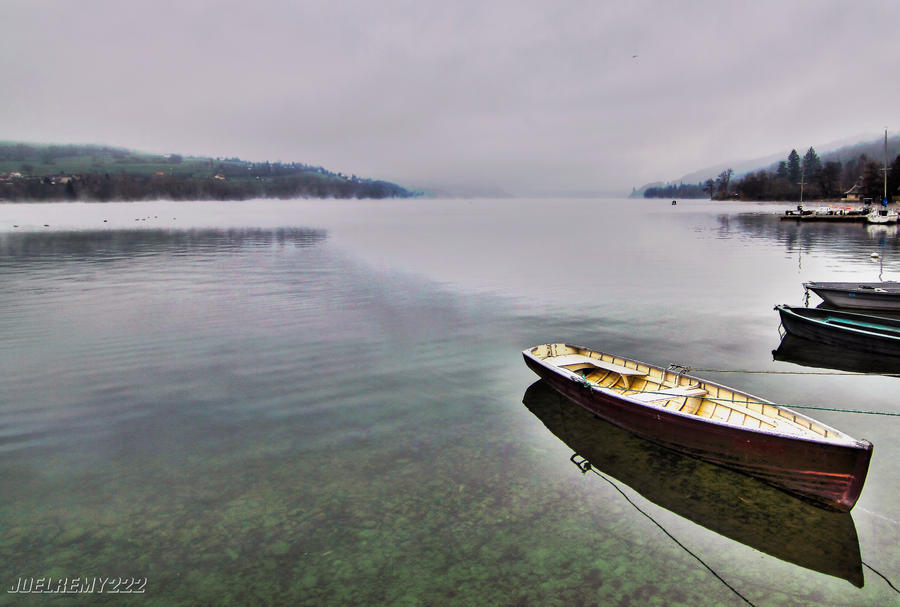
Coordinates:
[757,415]
[668,394]
[626,373]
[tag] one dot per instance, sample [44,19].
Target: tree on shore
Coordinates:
[812,165]
[754,186]
[102,173]
[722,184]
[672,190]
[782,170]
[793,166]
[829,179]
[822,180]
[893,178]
[829,182]
[872,180]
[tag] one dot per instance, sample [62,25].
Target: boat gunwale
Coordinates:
[839,437]
[893,287]
[860,331]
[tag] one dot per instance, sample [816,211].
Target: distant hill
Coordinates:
[739,168]
[843,151]
[873,149]
[31,172]
[639,192]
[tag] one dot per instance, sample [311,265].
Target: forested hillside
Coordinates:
[31,172]
[829,177]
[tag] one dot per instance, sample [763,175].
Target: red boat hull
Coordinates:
[831,475]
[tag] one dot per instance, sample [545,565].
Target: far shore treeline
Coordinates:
[861,176]
[30,172]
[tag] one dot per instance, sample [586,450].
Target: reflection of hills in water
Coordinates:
[125,243]
[808,353]
[731,504]
[840,240]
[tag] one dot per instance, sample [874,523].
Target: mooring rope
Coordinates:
[839,410]
[683,369]
[727,401]
[882,576]
[586,467]
[763,372]
[590,468]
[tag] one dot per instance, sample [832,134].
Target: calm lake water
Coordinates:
[324,403]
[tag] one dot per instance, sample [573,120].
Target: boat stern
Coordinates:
[854,488]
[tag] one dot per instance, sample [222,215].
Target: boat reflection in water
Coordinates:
[809,353]
[731,504]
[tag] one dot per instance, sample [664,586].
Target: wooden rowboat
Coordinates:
[724,501]
[712,422]
[863,332]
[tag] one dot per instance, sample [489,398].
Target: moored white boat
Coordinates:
[885,213]
[882,215]
[881,295]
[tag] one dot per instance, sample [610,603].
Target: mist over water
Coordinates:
[321,402]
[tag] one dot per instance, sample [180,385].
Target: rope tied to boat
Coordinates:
[683,369]
[675,367]
[585,466]
[837,409]
[678,369]
[662,394]
[768,372]
[786,405]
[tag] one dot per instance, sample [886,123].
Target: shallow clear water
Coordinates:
[321,402]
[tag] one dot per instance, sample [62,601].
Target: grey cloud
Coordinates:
[532,97]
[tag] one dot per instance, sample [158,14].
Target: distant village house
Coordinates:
[853,194]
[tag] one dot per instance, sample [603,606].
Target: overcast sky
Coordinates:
[530,97]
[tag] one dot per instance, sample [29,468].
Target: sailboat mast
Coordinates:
[885,166]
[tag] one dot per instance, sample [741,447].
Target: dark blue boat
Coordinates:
[863,332]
